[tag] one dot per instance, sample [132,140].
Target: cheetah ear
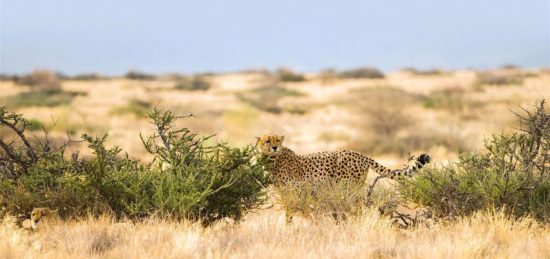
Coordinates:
[257,140]
[282,137]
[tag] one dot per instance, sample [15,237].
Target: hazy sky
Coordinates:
[113,36]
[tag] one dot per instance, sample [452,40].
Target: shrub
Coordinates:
[44,98]
[287,75]
[88,77]
[512,174]
[189,179]
[50,98]
[381,120]
[456,100]
[8,77]
[393,128]
[41,80]
[193,83]
[267,98]
[135,107]
[35,125]
[428,72]
[327,76]
[384,119]
[137,75]
[499,78]
[365,72]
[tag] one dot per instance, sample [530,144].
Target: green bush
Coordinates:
[35,125]
[267,98]
[287,75]
[429,72]
[137,75]
[193,83]
[8,77]
[512,174]
[499,78]
[327,76]
[188,179]
[88,77]
[365,72]
[41,98]
[135,107]
[41,80]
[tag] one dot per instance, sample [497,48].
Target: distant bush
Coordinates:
[384,119]
[260,71]
[453,99]
[8,77]
[327,75]
[34,125]
[512,174]
[365,72]
[88,77]
[429,72]
[392,129]
[41,80]
[267,98]
[189,179]
[193,83]
[43,98]
[137,75]
[135,107]
[287,75]
[499,78]
[510,66]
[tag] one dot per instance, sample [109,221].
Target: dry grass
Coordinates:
[267,235]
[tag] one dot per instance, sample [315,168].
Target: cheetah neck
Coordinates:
[286,154]
[286,166]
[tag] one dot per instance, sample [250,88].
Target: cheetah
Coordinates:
[42,218]
[288,167]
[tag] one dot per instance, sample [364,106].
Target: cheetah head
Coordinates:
[38,215]
[270,144]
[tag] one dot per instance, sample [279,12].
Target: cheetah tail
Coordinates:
[422,160]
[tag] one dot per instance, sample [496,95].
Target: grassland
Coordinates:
[387,116]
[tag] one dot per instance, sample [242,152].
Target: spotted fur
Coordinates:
[336,165]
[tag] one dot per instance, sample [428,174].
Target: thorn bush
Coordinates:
[188,178]
[511,174]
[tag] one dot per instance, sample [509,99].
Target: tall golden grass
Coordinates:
[266,235]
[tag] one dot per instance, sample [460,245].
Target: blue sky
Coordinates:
[112,37]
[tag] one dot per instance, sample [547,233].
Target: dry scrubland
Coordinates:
[385,116]
[438,112]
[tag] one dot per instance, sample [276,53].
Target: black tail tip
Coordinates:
[424,159]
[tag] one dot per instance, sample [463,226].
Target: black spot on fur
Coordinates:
[424,159]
